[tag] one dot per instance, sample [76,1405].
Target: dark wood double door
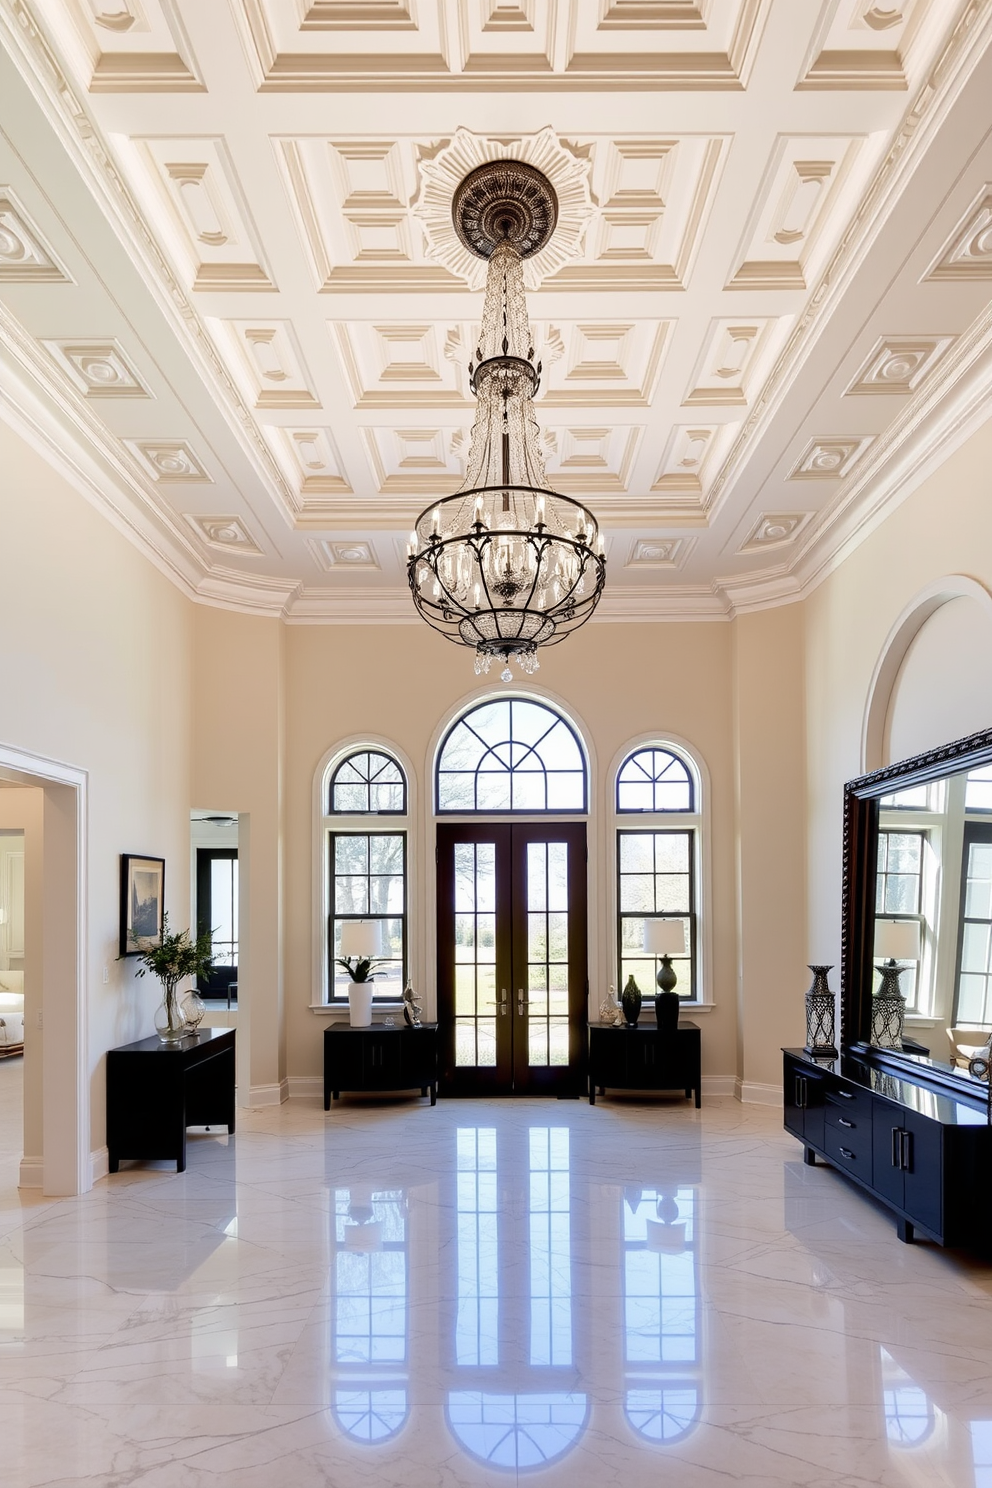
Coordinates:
[512,958]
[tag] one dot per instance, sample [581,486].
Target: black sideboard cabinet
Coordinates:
[380,1058]
[622,1058]
[921,1152]
[155,1091]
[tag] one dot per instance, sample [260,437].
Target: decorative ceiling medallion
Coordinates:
[658,552]
[227,533]
[968,253]
[898,364]
[24,254]
[99,369]
[829,459]
[168,459]
[442,174]
[774,528]
[342,554]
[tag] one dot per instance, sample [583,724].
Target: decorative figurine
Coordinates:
[411,1006]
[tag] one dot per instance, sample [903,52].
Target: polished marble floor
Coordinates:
[484,1292]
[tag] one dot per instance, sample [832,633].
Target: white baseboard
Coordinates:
[754,1093]
[268,1095]
[99,1164]
[308,1085]
[719,1085]
[32,1173]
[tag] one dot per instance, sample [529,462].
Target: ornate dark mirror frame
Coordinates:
[861,809]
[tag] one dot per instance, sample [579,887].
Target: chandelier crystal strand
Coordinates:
[507,564]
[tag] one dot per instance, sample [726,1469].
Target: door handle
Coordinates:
[522,1001]
[501,1004]
[896,1147]
[906,1151]
[799,1092]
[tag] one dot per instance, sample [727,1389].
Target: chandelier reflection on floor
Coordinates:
[506,564]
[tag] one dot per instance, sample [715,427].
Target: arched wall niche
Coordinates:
[933,678]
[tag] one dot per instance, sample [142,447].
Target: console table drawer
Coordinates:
[853,1103]
[851,1126]
[851,1151]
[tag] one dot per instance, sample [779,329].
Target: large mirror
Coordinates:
[917,912]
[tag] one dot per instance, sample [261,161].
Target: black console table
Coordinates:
[919,1150]
[623,1058]
[380,1058]
[155,1091]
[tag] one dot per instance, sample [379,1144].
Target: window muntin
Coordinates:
[367,873]
[656,780]
[368,783]
[973,993]
[655,880]
[511,754]
[899,895]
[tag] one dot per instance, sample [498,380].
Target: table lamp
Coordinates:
[895,940]
[665,938]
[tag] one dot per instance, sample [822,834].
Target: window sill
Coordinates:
[919,1021]
[341,1008]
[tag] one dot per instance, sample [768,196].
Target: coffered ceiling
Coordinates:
[233,310]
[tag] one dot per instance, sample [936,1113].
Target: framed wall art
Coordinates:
[142,902]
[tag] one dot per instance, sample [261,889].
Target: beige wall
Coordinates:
[944,528]
[96,674]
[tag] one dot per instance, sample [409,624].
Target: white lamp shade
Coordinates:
[360,938]
[898,940]
[664,937]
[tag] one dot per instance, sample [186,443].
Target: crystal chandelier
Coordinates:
[506,564]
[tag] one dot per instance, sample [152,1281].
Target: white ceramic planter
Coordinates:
[360,1004]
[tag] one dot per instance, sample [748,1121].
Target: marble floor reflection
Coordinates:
[482,1293]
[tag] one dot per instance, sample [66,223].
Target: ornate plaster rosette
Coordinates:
[443,173]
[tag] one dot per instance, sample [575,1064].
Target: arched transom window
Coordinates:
[512,754]
[368,783]
[654,780]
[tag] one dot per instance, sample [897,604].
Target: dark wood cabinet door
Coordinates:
[887,1174]
[922,1153]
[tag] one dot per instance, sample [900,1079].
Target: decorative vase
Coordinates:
[360,1004]
[667,975]
[170,1025]
[193,1010]
[666,1011]
[630,1001]
[888,1009]
[820,1014]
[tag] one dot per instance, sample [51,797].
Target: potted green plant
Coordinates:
[172,959]
[359,944]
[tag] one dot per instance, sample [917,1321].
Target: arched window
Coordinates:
[654,780]
[511,754]
[368,783]
[658,869]
[366,867]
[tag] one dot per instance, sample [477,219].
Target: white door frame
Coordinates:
[67,1168]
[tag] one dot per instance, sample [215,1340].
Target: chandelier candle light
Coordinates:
[506,564]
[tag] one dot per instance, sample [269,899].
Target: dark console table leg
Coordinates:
[809,1157]
[434,1094]
[905,1231]
[592,1093]
[699,1097]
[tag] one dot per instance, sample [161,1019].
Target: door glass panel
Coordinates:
[547,953]
[475,953]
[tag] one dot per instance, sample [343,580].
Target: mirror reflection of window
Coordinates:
[974,985]
[517,1431]
[661,1311]
[981,1452]
[369,1343]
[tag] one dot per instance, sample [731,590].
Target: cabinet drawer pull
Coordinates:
[896,1150]
[845,1094]
[846,1152]
[842,1122]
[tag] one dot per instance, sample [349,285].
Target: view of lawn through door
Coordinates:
[511,957]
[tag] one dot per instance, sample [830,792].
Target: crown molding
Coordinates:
[964,50]
[41,71]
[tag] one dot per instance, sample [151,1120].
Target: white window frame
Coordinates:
[360,824]
[698,823]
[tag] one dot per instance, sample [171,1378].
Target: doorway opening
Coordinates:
[512,985]
[216,888]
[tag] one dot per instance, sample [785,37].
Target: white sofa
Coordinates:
[11,1012]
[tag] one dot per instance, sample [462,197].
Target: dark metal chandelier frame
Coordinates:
[505,565]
